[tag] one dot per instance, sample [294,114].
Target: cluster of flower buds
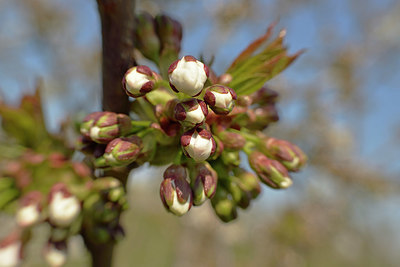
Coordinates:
[102,209]
[178,194]
[107,136]
[158,38]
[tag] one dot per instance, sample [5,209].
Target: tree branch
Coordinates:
[117,23]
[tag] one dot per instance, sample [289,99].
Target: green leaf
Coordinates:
[260,62]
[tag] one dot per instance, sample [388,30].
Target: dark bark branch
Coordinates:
[117,23]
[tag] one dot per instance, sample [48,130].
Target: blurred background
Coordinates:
[339,103]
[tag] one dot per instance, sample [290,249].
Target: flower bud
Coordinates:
[102,127]
[188,75]
[271,172]
[63,207]
[55,253]
[170,34]
[198,144]
[204,182]
[191,112]
[147,41]
[260,118]
[138,81]
[285,152]
[123,150]
[175,191]
[249,181]
[241,196]
[30,208]
[232,140]
[220,98]
[223,205]
[264,96]
[11,250]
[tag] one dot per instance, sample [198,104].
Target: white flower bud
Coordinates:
[29,212]
[55,254]
[188,75]
[138,81]
[191,112]
[10,251]
[175,191]
[64,207]
[220,98]
[198,144]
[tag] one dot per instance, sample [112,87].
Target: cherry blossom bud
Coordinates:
[264,96]
[138,81]
[220,98]
[147,41]
[204,182]
[241,196]
[191,112]
[198,144]
[223,205]
[170,34]
[175,191]
[102,127]
[285,152]
[271,172]
[11,250]
[232,140]
[260,118]
[63,207]
[122,151]
[30,208]
[55,253]
[188,75]
[249,181]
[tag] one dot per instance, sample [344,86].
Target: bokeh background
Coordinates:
[339,102]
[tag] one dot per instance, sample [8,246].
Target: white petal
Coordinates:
[189,77]
[9,255]
[222,100]
[27,215]
[199,148]
[195,116]
[179,208]
[63,210]
[135,80]
[55,257]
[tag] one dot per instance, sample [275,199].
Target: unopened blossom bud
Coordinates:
[138,81]
[271,172]
[63,207]
[170,34]
[55,253]
[204,182]
[223,205]
[285,152]
[241,196]
[249,181]
[11,250]
[231,157]
[147,41]
[30,208]
[260,118]
[188,75]
[198,144]
[123,150]
[232,140]
[102,127]
[220,98]
[175,191]
[109,187]
[191,112]
[264,96]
